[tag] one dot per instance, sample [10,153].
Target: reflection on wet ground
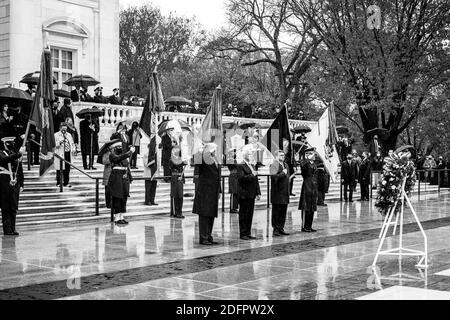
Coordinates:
[160,258]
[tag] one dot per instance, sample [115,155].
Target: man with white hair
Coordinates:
[248,191]
[208,193]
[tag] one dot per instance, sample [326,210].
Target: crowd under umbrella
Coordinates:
[33,78]
[81,80]
[93,112]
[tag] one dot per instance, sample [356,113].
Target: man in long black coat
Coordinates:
[279,194]
[208,194]
[89,130]
[308,197]
[349,176]
[151,185]
[10,171]
[233,182]
[248,191]
[365,172]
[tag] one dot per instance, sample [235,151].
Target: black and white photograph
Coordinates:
[226,157]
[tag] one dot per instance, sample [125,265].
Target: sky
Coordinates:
[210,13]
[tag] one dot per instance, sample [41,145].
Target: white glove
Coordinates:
[22,150]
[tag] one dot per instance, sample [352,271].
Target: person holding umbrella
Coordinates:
[75,95]
[89,129]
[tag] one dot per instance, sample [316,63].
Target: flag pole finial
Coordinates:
[219,87]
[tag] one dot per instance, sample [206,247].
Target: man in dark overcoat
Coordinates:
[349,176]
[248,191]
[279,193]
[233,183]
[208,193]
[152,165]
[365,172]
[177,181]
[308,197]
[11,183]
[89,129]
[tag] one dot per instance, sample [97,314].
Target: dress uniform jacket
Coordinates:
[208,190]
[279,192]
[119,180]
[308,196]
[176,187]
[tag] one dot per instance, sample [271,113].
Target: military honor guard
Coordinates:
[150,167]
[11,183]
[248,191]
[308,196]
[208,194]
[119,181]
[177,181]
[280,191]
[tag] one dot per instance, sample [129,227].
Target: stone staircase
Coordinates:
[43,203]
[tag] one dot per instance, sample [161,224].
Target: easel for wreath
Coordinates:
[400,251]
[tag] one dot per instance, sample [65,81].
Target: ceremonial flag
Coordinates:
[41,114]
[149,122]
[323,139]
[279,137]
[212,128]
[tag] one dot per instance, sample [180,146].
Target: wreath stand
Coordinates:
[400,251]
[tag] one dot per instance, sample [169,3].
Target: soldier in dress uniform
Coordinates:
[308,197]
[323,183]
[177,183]
[119,181]
[11,183]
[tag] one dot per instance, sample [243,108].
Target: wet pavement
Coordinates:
[160,258]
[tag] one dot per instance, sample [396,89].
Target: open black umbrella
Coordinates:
[14,95]
[342,130]
[82,81]
[33,78]
[302,129]
[178,101]
[104,149]
[166,125]
[62,93]
[94,112]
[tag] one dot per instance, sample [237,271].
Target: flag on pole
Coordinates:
[149,121]
[41,114]
[211,130]
[279,137]
[323,138]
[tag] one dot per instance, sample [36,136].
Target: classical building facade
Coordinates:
[83,36]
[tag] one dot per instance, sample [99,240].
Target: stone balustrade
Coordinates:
[115,114]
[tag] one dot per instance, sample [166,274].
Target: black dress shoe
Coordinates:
[284,233]
[214,243]
[306,230]
[206,243]
[154,204]
[125,222]
[276,234]
[293,195]
[245,238]
[179,217]
[312,230]
[252,238]
[15,233]
[9,234]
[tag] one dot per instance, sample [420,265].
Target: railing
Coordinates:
[441,175]
[115,114]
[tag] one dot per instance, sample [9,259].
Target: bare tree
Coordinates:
[268,32]
[391,70]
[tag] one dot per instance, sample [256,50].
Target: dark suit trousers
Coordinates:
[87,165]
[176,207]
[307,219]
[320,197]
[348,188]
[107,198]
[35,149]
[234,201]
[365,190]
[66,172]
[246,210]
[205,225]
[279,217]
[150,191]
